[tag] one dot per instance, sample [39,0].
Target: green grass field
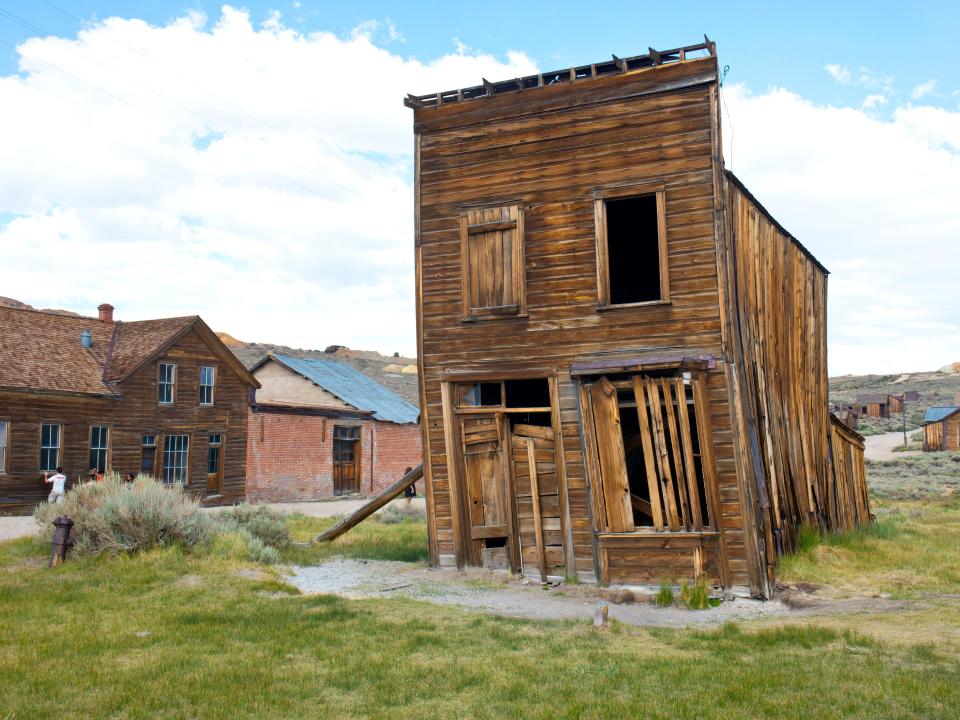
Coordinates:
[170,635]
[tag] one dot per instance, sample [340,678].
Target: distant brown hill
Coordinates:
[393,371]
[937,388]
[10,302]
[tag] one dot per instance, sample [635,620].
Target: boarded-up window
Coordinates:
[652,469]
[493,265]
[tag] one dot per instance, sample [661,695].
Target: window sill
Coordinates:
[645,303]
[652,533]
[486,318]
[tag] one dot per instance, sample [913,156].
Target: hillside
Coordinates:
[939,387]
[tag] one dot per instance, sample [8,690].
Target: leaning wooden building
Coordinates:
[622,354]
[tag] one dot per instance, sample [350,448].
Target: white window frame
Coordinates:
[4,445]
[208,386]
[175,462]
[163,383]
[57,447]
[104,448]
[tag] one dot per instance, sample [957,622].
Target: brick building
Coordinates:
[320,428]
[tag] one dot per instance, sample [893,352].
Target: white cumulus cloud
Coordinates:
[258,176]
[876,201]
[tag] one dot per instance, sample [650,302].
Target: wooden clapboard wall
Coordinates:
[777,338]
[549,152]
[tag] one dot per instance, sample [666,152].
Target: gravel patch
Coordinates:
[16,527]
[501,594]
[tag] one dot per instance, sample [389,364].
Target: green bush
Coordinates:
[697,595]
[116,516]
[664,596]
[260,521]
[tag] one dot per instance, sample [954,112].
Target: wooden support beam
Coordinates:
[620,63]
[535,497]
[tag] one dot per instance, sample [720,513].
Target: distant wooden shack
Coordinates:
[622,354]
[879,405]
[941,428]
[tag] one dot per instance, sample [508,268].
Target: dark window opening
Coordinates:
[527,393]
[495,542]
[633,250]
[481,394]
[541,419]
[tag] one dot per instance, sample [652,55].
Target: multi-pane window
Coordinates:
[632,249]
[166,381]
[148,454]
[491,247]
[99,447]
[4,434]
[207,377]
[176,451]
[49,447]
[213,454]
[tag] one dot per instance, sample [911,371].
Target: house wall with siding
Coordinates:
[134,414]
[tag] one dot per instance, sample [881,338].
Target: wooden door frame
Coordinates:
[357,453]
[219,473]
[456,469]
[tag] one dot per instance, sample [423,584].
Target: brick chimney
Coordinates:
[106,312]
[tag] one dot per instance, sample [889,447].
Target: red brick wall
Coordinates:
[290,457]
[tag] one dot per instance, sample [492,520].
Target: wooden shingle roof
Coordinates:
[42,351]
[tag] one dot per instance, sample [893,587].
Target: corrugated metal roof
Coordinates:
[935,414]
[353,387]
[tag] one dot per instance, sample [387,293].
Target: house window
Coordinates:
[4,434]
[99,447]
[491,245]
[207,377]
[213,454]
[148,454]
[49,446]
[176,451]
[650,455]
[632,250]
[166,382]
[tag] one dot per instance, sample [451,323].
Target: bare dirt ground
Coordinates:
[501,594]
[880,447]
[14,527]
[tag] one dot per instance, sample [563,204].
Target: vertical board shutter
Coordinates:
[613,466]
[493,264]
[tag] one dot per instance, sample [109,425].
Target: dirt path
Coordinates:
[880,447]
[500,594]
[14,527]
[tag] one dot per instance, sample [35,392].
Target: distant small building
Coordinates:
[911,396]
[941,428]
[879,406]
[320,428]
[847,415]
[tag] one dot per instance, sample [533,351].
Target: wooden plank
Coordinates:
[662,456]
[689,466]
[653,484]
[613,468]
[683,505]
[538,523]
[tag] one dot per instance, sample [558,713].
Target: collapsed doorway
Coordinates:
[511,488]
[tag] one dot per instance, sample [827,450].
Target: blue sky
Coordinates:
[764,43]
[253,163]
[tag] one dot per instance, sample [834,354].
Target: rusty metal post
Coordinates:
[61,540]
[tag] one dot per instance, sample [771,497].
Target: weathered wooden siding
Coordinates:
[942,435]
[778,340]
[130,417]
[552,162]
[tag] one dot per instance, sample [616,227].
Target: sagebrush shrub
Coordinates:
[127,517]
[260,521]
[395,513]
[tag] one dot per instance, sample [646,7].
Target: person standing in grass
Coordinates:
[59,482]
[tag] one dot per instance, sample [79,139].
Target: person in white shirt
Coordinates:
[59,481]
